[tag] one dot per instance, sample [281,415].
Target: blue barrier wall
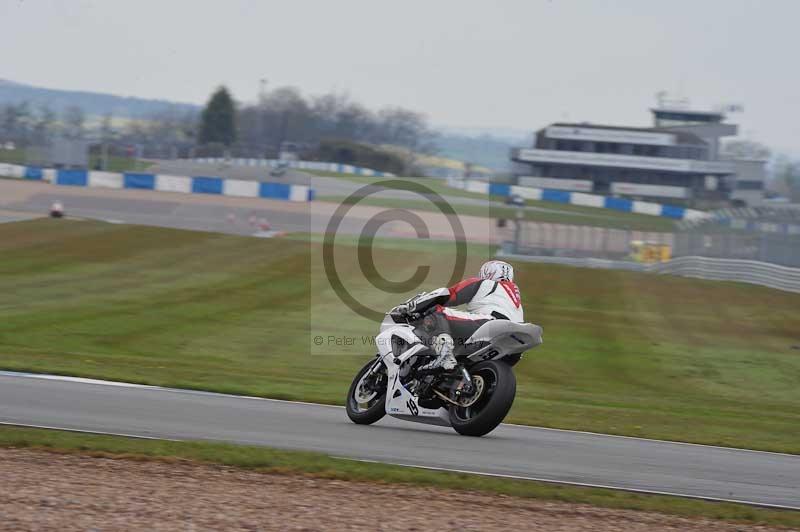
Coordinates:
[672,211]
[33,172]
[619,204]
[135,180]
[558,196]
[274,190]
[583,199]
[207,185]
[167,183]
[499,189]
[75,178]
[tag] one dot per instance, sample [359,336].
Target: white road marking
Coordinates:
[571,483]
[85,431]
[445,469]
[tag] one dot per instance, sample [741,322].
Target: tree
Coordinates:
[284,114]
[44,124]
[218,120]
[15,121]
[74,119]
[361,154]
[106,127]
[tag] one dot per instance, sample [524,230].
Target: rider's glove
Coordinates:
[405,309]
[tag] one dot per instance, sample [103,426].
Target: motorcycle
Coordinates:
[473,398]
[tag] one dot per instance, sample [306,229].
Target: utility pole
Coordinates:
[262,115]
[520,215]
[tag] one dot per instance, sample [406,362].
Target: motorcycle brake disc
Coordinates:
[469,400]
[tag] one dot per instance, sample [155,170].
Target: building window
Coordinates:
[749,185]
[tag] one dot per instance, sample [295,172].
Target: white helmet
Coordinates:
[497,270]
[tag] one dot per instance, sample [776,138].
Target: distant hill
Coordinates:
[487,147]
[93,103]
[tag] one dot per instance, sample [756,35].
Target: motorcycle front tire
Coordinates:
[369,415]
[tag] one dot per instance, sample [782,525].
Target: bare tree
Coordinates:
[74,121]
[44,124]
[106,128]
[15,122]
[284,114]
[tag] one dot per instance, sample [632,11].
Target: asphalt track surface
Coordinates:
[221,214]
[336,187]
[753,477]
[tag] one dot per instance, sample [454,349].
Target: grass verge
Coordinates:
[437,185]
[624,353]
[561,212]
[318,465]
[547,214]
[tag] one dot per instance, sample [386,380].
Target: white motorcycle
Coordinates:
[473,398]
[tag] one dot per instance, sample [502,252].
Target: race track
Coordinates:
[521,452]
[222,214]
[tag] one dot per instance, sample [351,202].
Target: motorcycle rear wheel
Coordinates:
[365,407]
[497,396]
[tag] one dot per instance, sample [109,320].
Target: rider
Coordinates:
[492,295]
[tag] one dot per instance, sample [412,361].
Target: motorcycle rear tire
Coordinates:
[494,411]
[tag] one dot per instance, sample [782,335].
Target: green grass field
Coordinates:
[437,185]
[317,465]
[624,353]
[549,214]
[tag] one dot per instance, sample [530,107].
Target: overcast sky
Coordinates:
[492,63]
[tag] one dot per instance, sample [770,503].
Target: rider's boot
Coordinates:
[443,346]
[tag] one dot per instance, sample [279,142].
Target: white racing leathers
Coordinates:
[484,299]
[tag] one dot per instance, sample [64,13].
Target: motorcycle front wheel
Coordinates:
[497,386]
[366,399]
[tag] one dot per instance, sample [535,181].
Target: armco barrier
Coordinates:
[165,183]
[742,271]
[300,165]
[579,198]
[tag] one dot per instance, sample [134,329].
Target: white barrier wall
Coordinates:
[173,183]
[237,187]
[105,179]
[588,200]
[12,170]
[77,177]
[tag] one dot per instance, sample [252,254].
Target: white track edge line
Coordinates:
[640,438]
[444,469]
[572,483]
[86,431]
[120,384]
[82,380]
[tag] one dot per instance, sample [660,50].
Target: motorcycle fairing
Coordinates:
[399,401]
[505,337]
